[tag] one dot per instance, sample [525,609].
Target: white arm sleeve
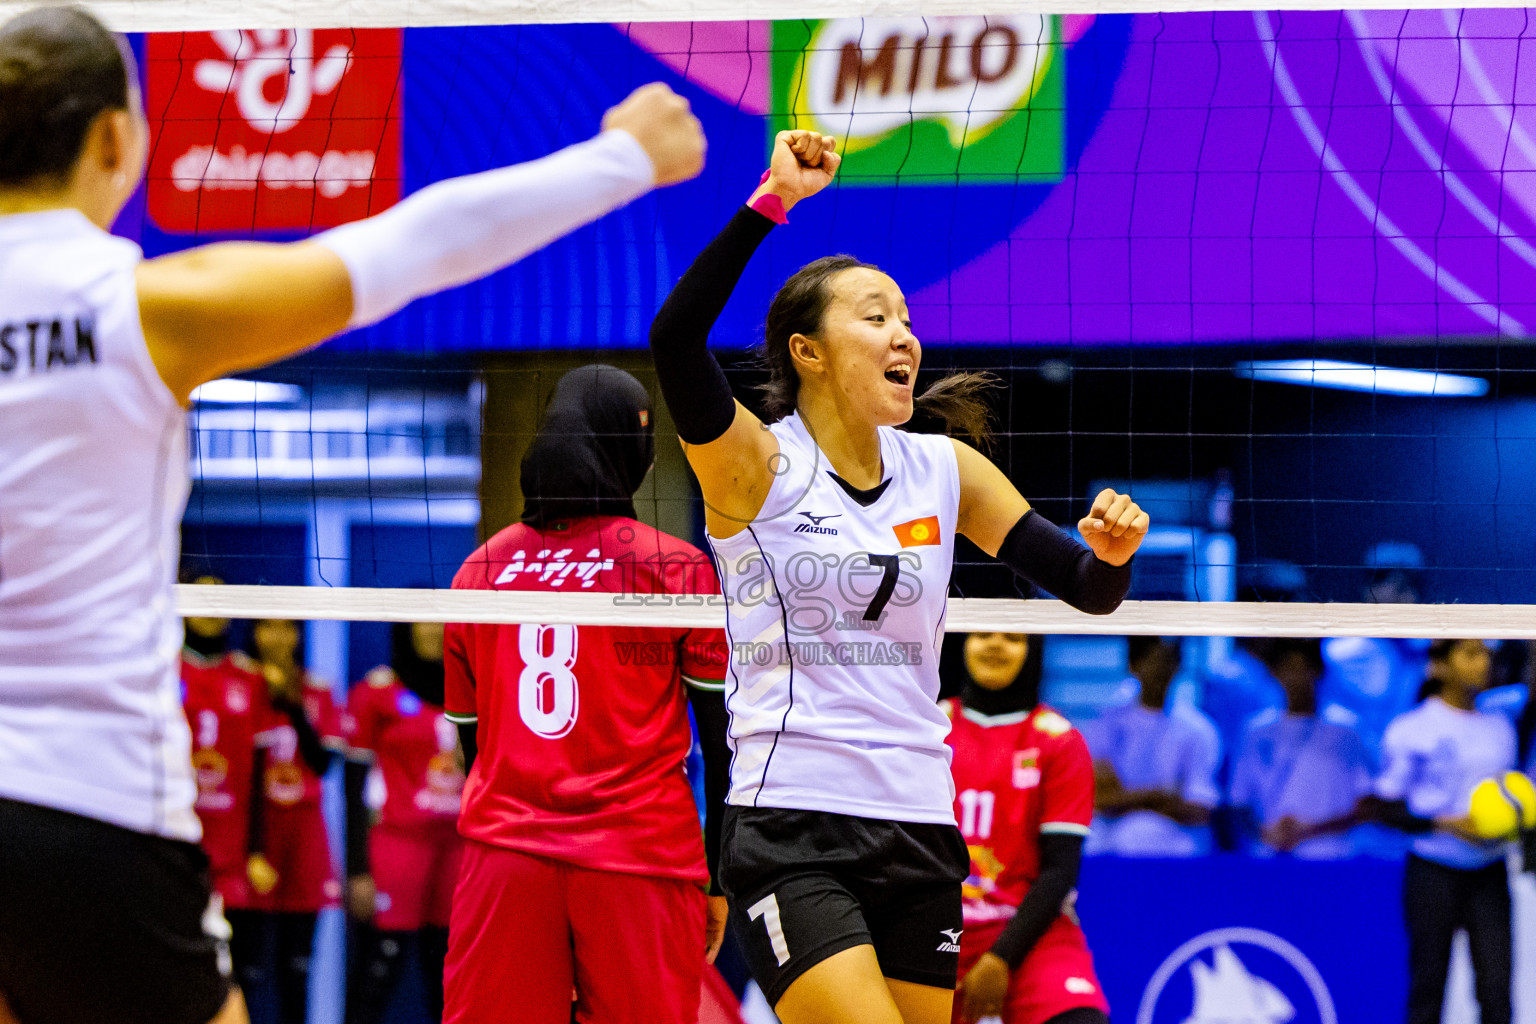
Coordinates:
[465,228]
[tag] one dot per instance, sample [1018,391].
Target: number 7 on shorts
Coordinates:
[767,908]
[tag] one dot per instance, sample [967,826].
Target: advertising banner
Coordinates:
[1059,180]
[1262,941]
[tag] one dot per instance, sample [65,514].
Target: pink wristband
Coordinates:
[769,205]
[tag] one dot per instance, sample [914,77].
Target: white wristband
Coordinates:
[464,228]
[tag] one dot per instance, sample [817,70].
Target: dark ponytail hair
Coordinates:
[954,405]
[59,69]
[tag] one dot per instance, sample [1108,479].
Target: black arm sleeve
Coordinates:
[710,716]
[358,818]
[1045,556]
[311,749]
[1061,856]
[469,743]
[692,382]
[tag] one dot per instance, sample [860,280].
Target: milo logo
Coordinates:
[976,97]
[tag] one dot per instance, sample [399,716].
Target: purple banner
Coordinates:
[1120,179]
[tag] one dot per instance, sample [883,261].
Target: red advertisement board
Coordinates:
[272,130]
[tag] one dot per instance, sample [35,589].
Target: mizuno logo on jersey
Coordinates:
[814,526]
[952,943]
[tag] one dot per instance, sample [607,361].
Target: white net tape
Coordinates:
[191,15]
[1155,618]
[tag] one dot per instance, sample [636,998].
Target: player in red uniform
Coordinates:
[301,729]
[1024,799]
[401,870]
[222,696]
[584,868]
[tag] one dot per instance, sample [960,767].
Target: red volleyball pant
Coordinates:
[529,932]
[414,871]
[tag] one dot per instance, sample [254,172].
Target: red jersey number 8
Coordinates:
[547,697]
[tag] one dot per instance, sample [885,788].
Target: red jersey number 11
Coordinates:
[976,813]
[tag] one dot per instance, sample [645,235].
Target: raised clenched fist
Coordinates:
[802,164]
[661,121]
[1114,527]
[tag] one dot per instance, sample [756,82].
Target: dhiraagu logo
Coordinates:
[927,99]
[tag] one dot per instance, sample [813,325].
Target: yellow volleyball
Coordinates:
[1518,785]
[1503,805]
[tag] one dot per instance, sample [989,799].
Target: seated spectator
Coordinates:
[1180,701]
[1154,773]
[1238,689]
[1296,777]
[1396,573]
[1370,681]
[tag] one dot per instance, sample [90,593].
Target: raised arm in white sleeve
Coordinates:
[462,229]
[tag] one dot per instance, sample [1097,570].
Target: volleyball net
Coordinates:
[1270,272]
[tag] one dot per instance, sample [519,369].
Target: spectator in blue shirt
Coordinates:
[1154,772]
[1296,779]
[1432,757]
[1370,681]
[1238,689]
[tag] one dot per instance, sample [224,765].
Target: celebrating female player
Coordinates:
[834,536]
[103,892]
[1024,799]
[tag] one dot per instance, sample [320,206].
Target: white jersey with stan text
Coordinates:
[93,482]
[835,618]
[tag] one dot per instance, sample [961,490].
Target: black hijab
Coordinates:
[422,677]
[207,646]
[1023,694]
[593,448]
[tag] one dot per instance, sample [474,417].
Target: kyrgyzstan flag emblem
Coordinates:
[918,532]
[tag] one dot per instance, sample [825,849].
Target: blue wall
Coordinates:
[1344,918]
